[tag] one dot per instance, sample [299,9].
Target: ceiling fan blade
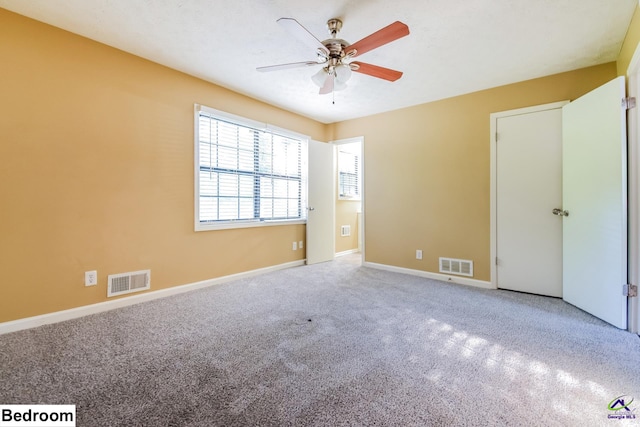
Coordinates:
[328,85]
[376,71]
[301,33]
[379,38]
[287,66]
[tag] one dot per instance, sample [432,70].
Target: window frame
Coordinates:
[259,126]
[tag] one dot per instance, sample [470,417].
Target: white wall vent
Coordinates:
[345,230]
[125,283]
[460,267]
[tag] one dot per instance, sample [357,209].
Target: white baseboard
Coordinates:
[429,275]
[73,313]
[349,252]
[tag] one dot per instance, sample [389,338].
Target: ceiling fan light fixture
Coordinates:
[343,73]
[319,77]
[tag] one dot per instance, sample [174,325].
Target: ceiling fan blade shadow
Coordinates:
[328,85]
[379,38]
[301,33]
[377,71]
[287,66]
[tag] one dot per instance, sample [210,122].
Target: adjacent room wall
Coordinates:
[96,172]
[427,170]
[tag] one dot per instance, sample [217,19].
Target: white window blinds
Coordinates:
[246,174]
[349,171]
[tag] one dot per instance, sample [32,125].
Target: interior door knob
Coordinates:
[560,212]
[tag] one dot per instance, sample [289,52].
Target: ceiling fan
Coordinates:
[336,54]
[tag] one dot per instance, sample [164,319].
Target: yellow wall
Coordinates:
[630,44]
[427,170]
[96,172]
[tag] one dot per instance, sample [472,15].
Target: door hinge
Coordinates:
[629,290]
[496,260]
[628,103]
[496,136]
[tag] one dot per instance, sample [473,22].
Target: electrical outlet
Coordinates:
[418,253]
[294,246]
[90,278]
[300,244]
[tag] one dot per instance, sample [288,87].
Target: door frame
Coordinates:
[493,180]
[361,225]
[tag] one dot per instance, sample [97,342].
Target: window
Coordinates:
[349,171]
[246,173]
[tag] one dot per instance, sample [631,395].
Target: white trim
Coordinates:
[347,140]
[249,224]
[223,115]
[349,252]
[429,275]
[74,313]
[493,117]
[196,169]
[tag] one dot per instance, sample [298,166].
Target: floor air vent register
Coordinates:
[125,283]
[461,267]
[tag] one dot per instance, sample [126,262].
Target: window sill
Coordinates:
[247,224]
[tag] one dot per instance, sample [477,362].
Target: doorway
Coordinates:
[349,220]
[593,210]
[528,187]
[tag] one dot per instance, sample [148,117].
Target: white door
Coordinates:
[529,187]
[321,203]
[595,194]
[633,155]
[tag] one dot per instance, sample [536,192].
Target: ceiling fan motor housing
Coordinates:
[335,46]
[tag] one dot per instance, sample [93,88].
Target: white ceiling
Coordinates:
[455,46]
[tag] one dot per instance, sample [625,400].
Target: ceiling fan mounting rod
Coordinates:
[334,26]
